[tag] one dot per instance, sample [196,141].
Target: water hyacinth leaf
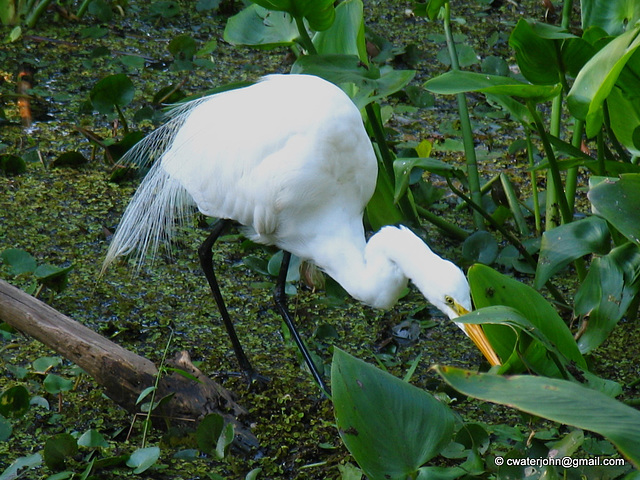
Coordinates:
[491,288]
[390,427]
[371,83]
[319,13]
[480,247]
[259,27]
[14,402]
[13,471]
[143,458]
[18,261]
[346,34]
[558,400]
[113,90]
[566,243]
[460,81]
[58,449]
[92,439]
[595,81]
[69,159]
[55,384]
[44,364]
[617,201]
[208,432]
[55,278]
[613,16]
[606,293]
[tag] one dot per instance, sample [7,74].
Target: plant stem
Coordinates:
[447,227]
[465,125]
[553,166]
[534,184]
[513,240]
[571,183]
[304,37]
[33,17]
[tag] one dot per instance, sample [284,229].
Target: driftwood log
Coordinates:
[122,374]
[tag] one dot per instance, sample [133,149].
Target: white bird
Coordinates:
[289,159]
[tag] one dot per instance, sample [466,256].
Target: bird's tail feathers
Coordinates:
[159,202]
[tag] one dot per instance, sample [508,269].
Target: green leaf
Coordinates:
[371,83]
[260,27]
[614,16]
[6,429]
[112,90]
[557,400]
[624,115]
[460,81]
[208,432]
[58,449]
[12,164]
[92,439]
[19,261]
[595,81]
[44,364]
[346,34]
[617,201]
[319,13]
[402,168]
[490,288]
[390,427]
[536,51]
[566,243]
[14,402]
[143,458]
[55,384]
[13,471]
[611,284]
[55,278]
[69,159]
[480,247]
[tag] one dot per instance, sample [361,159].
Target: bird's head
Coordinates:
[449,290]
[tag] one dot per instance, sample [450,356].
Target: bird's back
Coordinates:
[288,158]
[286,153]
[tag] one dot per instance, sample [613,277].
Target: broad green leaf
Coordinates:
[112,90]
[12,164]
[13,471]
[57,449]
[55,278]
[143,458]
[371,83]
[489,288]
[260,27]
[624,115]
[92,439]
[55,384]
[537,55]
[208,432]
[480,247]
[612,15]
[403,167]
[381,209]
[18,261]
[557,400]
[460,81]
[44,364]
[14,402]
[6,429]
[595,81]
[319,13]
[566,243]
[390,427]
[606,293]
[346,34]
[617,201]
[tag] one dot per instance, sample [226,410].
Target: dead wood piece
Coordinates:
[122,374]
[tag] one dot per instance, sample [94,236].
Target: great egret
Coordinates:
[289,159]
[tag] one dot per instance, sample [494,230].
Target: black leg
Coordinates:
[281,303]
[206,261]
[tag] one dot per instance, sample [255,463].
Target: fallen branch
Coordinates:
[122,373]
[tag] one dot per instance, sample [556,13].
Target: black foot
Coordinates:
[255,380]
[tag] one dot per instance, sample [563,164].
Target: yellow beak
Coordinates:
[478,336]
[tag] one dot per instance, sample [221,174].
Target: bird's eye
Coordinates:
[450,301]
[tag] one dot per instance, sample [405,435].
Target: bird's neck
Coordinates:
[377,272]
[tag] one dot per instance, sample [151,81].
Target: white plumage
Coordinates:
[289,159]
